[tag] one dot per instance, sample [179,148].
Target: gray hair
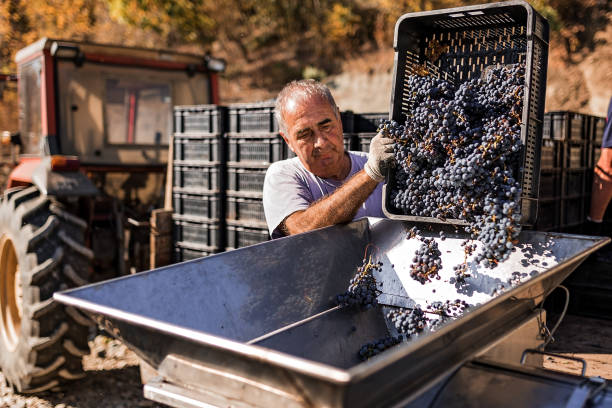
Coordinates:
[303,89]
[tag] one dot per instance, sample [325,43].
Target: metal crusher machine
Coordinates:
[258,326]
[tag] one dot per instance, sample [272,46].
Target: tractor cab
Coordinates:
[110,110]
[109,105]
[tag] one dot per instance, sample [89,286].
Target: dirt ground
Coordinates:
[112,381]
[585,338]
[113,376]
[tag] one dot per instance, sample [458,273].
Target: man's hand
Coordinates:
[380,157]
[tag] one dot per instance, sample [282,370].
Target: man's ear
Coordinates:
[286,141]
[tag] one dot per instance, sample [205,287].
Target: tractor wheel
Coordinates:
[41,251]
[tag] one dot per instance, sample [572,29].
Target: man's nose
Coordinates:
[320,140]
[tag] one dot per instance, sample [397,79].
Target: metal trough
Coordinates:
[258,327]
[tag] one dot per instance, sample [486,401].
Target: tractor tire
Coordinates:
[42,343]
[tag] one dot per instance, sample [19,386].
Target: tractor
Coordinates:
[94,128]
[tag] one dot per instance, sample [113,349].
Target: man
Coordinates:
[602,181]
[324,185]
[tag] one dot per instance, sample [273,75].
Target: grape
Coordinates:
[411,322]
[448,310]
[376,347]
[363,288]
[459,155]
[408,321]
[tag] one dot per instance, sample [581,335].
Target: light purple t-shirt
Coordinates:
[289,187]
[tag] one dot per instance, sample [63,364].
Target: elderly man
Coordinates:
[601,193]
[324,185]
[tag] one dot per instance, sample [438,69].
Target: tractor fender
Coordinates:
[21,175]
[61,183]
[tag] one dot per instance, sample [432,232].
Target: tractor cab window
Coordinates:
[137,112]
[30,121]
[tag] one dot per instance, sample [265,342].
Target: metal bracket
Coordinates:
[545,353]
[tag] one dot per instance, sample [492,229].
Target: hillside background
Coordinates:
[266,43]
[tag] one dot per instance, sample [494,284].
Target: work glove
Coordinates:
[380,157]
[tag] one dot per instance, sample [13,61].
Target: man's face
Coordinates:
[314,134]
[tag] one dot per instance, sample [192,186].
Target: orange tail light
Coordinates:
[65,163]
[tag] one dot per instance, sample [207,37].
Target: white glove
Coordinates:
[380,157]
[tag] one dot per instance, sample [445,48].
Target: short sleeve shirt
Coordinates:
[607,134]
[289,187]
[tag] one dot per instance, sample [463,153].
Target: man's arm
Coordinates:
[342,204]
[339,207]
[602,186]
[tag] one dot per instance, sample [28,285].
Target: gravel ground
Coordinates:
[113,376]
[113,381]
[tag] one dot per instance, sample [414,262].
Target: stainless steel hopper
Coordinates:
[258,326]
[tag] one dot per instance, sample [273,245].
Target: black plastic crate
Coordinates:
[197,178]
[597,125]
[576,155]
[244,234]
[368,122]
[348,121]
[363,141]
[199,119]
[200,148]
[184,252]
[252,118]
[466,41]
[245,179]
[551,154]
[255,148]
[550,184]
[590,152]
[573,229]
[549,210]
[592,300]
[565,126]
[574,183]
[207,206]
[247,209]
[196,232]
[572,212]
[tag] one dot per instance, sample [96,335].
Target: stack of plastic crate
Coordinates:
[571,129]
[565,172]
[365,125]
[198,187]
[253,143]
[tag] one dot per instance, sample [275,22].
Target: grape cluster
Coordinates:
[459,155]
[374,348]
[461,270]
[426,262]
[449,309]
[413,321]
[408,321]
[363,289]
